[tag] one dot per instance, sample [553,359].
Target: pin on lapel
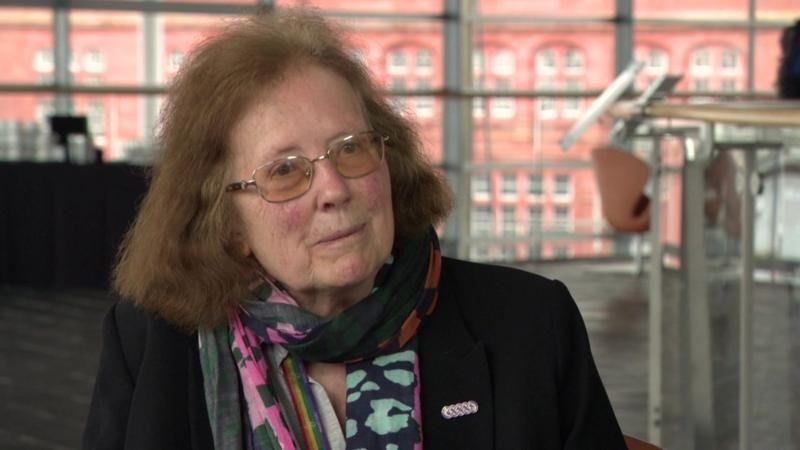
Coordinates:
[459,409]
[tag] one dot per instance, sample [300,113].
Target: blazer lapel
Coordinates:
[454,370]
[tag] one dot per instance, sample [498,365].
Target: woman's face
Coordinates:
[327,245]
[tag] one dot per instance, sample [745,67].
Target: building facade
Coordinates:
[529,198]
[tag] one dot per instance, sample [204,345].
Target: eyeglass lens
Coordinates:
[290,177]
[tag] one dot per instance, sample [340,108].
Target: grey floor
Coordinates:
[50,339]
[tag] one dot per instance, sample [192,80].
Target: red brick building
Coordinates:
[528,195]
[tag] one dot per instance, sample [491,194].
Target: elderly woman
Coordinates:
[287,286]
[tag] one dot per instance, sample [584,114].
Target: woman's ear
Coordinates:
[240,245]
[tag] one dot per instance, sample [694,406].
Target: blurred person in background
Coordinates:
[284,285]
[789,67]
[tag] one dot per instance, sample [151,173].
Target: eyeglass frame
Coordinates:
[244,184]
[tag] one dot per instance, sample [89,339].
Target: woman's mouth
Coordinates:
[340,235]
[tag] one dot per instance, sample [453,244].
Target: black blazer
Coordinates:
[511,341]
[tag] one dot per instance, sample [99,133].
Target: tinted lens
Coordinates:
[284,179]
[359,155]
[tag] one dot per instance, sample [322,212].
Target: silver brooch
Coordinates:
[459,409]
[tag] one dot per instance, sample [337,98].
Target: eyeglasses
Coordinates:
[290,177]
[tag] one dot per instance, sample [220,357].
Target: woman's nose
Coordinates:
[330,187]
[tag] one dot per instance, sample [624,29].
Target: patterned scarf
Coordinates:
[375,338]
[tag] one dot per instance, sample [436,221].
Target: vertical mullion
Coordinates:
[456,121]
[152,42]
[61,57]
[751,45]
[623,35]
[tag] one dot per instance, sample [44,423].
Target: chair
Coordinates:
[621,178]
[635,444]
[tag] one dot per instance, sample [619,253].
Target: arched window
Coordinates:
[560,66]
[715,67]
[503,62]
[657,61]
[730,59]
[573,60]
[43,60]
[424,60]
[410,67]
[701,60]
[546,61]
[396,61]
[498,77]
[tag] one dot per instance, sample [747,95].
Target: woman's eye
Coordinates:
[349,148]
[282,169]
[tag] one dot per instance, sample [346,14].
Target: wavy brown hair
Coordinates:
[179,258]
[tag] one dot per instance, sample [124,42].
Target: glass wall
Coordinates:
[535,68]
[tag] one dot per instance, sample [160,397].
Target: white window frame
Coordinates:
[398,102]
[700,63]
[535,221]
[423,104]
[96,117]
[503,107]
[503,62]
[697,82]
[657,62]
[94,61]
[481,186]
[562,223]
[546,61]
[478,107]
[531,177]
[482,220]
[509,221]
[546,106]
[426,68]
[729,85]
[396,61]
[43,60]
[558,253]
[556,185]
[574,61]
[508,180]
[726,55]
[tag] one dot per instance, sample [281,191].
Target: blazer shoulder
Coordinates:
[504,296]
[472,277]
[470,269]
[134,320]
[139,331]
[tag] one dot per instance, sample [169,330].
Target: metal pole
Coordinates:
[746,300]
[152,42]
[623,35]
[654,391]
[457,122]
[693,268]
[751,45]
[61,57]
